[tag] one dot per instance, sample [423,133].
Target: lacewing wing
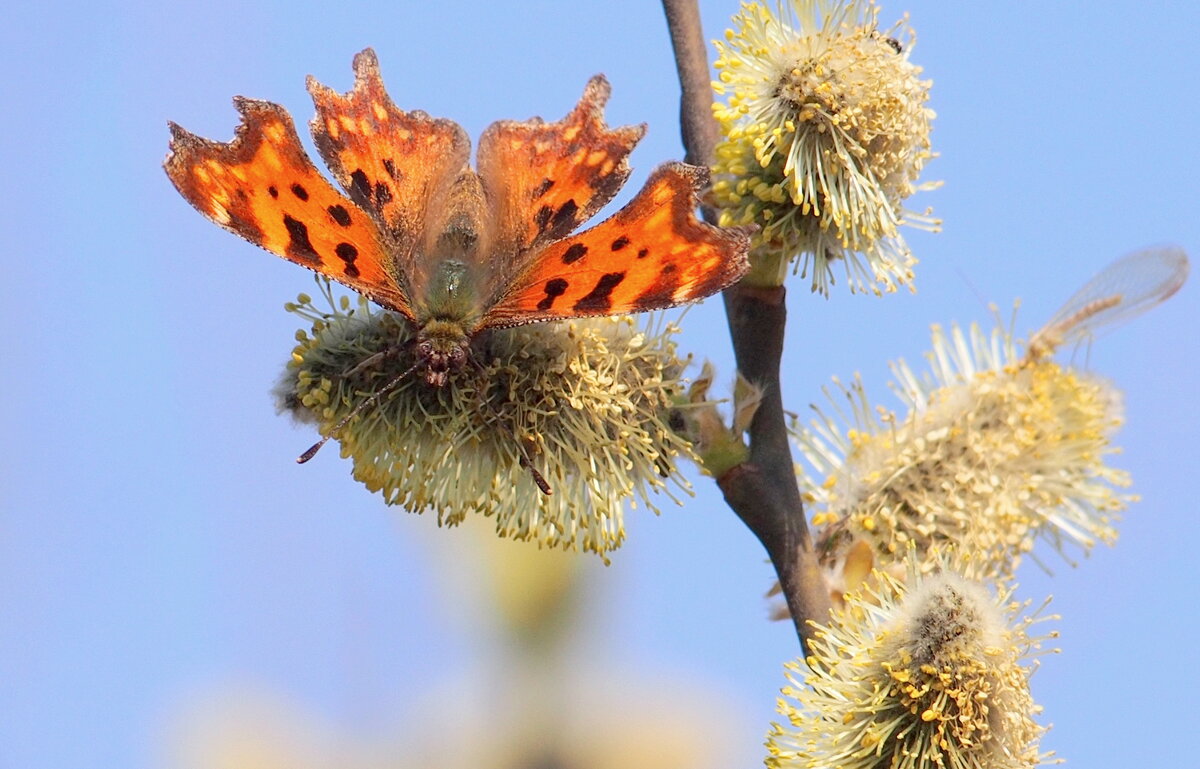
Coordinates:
[1122,290]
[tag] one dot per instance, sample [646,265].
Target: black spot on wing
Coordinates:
[383,194]
[554,289]
[339,214]
[620,243]
[390,167]
[576,252]
[360,186]
[272,191]
[363,192]
[299,191]
[299,246]
[348,253]
[542,218]
[565,216]
[643,253]
[543,188]
[558,223]
[599,299]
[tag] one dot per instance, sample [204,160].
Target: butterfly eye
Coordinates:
[425,348]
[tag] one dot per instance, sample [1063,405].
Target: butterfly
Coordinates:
[458,251]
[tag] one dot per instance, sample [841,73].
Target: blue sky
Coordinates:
[158,542]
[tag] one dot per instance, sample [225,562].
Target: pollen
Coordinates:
[922,671]
[991,454]
[585,403]
[826,132]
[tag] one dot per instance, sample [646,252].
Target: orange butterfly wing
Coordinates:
[398,165]
[652,254]
[540,180]
[545,179]
[263,187]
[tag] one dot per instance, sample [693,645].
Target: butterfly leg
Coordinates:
[372,361]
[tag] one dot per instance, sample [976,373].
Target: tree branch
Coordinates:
[762,491]
[695,103]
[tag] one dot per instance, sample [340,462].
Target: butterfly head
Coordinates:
[443,347]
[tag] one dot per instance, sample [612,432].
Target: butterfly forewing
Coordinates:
[263,187]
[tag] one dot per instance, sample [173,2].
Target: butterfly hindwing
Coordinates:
[263,187]
[652,254]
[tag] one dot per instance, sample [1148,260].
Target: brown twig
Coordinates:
[763,490]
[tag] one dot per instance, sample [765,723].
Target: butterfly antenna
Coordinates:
[382,391]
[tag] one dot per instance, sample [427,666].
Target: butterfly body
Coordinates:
[456,250]
[449,306]
[443,341]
